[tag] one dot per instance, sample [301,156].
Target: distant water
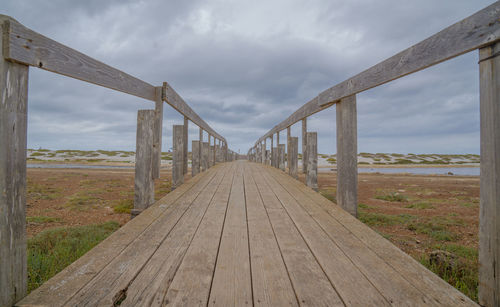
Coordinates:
[79,166]
[461,171]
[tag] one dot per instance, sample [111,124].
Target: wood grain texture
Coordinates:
[30,48]
[192,282]
[270,282]
[293,161]
[157,134]
[312,160]
[204,156]
[144,188]
[185,136]
[489,217]
[195,167]
[232,283]
[171,97]
[304,145]
[13,140]
[177,156]
[474,32]
[347,155]
[281,157]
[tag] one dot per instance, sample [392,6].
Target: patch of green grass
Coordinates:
[460,250]
[331,160]
[461,274]
[42,219]
[435,230]
[83,200]
[39,191]
[52,250]
[363,206]
[420,205]
[380,219]
[163,189]
[467,205]
[392,196]
[124,206]
[37,154]
[166,158]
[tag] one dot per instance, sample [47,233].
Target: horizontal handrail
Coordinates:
[25,46]
[474,32]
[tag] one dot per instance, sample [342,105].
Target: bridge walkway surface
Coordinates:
[243,234]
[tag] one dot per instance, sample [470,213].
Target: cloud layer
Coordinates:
[245,66]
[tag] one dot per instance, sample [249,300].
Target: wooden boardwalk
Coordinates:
[245,234]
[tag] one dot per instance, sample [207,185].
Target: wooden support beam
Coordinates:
[264,155]
[281,157]
[288,136]
[144,183]
[25,46]
[185,144]
[293,161]
[304,145]
[274,157]
[204,156]
[489,217]
[312,160]
[178,156]
[272,150]
[157,134]
[201,146]
[347,155]
[195,151]
[13,140]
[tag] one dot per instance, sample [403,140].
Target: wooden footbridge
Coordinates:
[242,232]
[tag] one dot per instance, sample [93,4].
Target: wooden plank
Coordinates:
[382,279]
[489,218]
[60,288]
[30,48]
[232,284]
[312,160]
[420,277]
[171,97]
[157,134]
[13,138]
[177,156]
[310,283]
[347,155]
[346,277]
[144,187]
[304,145]
[150,285]
[474,32]
[270,282]
[113,282]
[191,284]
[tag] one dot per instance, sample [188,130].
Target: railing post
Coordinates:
[293,159]
[347,155]
[195,150]
[281,157]
[312,160]
[274,157]
[178,156]
[213,153]
[272,150]
[144,184]
[157,133]
[13,140]
[209,159]
[185,144]
[204,156]
[304,145]
[264,152]
[288,136]
[201,146]
[489,214]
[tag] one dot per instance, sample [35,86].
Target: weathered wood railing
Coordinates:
[479,31]
[21,48]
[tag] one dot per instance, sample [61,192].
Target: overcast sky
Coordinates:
[244,66]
